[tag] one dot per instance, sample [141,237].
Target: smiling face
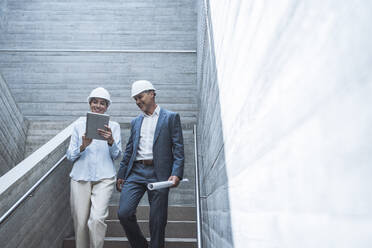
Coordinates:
[98,105]
[146,101]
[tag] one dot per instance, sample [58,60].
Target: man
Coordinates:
[154,152]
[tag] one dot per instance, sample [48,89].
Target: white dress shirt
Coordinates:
[147,135]
[96,162]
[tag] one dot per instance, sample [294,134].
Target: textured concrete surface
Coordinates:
[54,86]
[12,191]
[295,88]
[13,130]
[112,24]
[44,219]
[215,209]
[180,230]
[40,132]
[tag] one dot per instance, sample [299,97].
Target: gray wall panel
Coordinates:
[216,219]
[113,24]
[57,84]
[13,130]
[44,218]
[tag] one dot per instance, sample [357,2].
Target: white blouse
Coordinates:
[96,162]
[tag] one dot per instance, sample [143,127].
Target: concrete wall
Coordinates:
[294,85]
[43,219]
[54,86]
[13,130]
[95,43]
[215,206]
[40,132]
[111,24]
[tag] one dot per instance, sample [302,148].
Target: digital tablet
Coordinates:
[96,121]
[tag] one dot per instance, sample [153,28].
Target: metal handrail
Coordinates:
[197,187]
[29,192]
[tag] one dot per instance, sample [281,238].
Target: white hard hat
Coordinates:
[100,93]
[141,86]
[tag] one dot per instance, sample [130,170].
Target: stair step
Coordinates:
[188,119]
[49,125]
[120,242]
[39,139]
[174,229]
[180,230]
[40,132]
[49,130]
[175,213]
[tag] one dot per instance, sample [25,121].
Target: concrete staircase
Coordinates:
[40,132]
[52,54]
[181,225]
[180,230]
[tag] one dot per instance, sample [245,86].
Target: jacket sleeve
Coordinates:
[177,147]
[115,149]
[127,155]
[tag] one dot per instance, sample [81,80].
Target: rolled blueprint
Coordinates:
[163,184]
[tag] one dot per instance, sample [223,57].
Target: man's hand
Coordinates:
[119,184]
[175,180]
[86,142]
[107,134]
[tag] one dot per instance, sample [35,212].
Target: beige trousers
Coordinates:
[89,209]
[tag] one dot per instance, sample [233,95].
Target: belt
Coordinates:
[145,161]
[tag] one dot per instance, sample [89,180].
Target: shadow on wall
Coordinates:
[215,205]
[13,130]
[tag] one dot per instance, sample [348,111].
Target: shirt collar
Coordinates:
[156,112]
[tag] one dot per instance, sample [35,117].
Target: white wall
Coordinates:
[295,90]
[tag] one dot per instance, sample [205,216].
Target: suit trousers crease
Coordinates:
[89,209]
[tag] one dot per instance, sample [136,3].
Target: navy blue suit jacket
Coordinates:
[168,150]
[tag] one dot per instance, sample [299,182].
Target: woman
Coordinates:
[93,174]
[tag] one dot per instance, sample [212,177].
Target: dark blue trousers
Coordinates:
[133,190]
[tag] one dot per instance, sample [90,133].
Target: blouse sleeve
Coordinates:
[73,151]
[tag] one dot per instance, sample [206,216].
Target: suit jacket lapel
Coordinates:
[159,124]
[138,131]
